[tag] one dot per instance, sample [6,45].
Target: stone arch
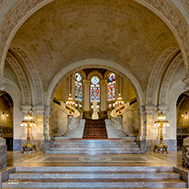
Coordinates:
[165,10]
[163,96]
[36,84]
[95,63]
[26,98]
[155,77]
[16,95]
[91,74]
[175,21]
[13,22]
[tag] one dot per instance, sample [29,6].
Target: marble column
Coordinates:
[3,153]
[86,92]
[103,95]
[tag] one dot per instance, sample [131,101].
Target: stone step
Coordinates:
[96,169]
[90,175]
[90,183]
[94,151]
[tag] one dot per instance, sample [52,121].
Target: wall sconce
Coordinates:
[184,114]
[6,114]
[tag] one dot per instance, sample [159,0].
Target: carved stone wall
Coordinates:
[185,3]
[21,78]
[176,22]
[168,78]
[34,75]
[156,74]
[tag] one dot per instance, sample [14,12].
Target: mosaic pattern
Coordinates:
[41,159]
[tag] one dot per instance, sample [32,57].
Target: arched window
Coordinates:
[78,87]
[111,87]
[95,89]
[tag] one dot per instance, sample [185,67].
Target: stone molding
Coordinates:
[19,15]
[175,21]
[26,98]
[37,84]
[156,74]
[2,2]
[186,4]
[168,78]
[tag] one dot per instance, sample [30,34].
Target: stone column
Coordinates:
[3,153]
[142,129]
[103,95]
[72,87]
[86,95]
[47,132]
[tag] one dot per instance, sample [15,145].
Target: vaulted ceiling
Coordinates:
[66,31]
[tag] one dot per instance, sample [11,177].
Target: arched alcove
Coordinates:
[6,118]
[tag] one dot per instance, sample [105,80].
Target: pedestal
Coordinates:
[95,115]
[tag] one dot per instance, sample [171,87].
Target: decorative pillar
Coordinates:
[72,87]
[117,80]
[86,96]
[142,128]
[103,95]
[47,132]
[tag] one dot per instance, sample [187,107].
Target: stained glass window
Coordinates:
[78,87]
[95,89]
[111,87]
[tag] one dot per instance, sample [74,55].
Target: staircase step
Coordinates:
[90,183]
[96,169]
[89,175]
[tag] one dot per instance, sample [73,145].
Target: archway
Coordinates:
[6,118]
[182,119]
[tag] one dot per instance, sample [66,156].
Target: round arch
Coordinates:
[95,63]
[20,14]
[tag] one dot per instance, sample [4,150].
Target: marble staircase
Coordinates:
[94,177]
[97,146]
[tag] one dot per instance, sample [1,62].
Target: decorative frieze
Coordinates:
[21,78]
[35,75]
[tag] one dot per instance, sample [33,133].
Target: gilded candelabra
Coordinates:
[160,123]
[29,123]
[119,102]
[70,102]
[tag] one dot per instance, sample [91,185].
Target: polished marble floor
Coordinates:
[41,159]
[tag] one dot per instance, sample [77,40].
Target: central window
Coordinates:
[95,89]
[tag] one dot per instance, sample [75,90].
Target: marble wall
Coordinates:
[3,153]
[171,144]
[59,121]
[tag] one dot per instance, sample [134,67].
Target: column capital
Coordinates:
[150,109]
